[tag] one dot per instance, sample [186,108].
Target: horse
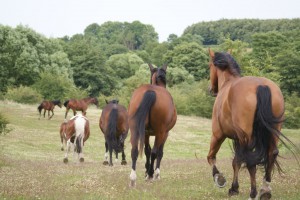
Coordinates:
[48,106]
[79,105]
[151,112]
[62,133]
[250,111]
[114,125]
[79,128]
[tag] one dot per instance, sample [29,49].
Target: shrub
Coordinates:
[23,94]
[292,112]
[3,125]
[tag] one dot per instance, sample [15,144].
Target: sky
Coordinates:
[58,18]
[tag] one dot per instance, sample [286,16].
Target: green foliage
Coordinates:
[3,125]
[23,94]
[193,99]
[292,111]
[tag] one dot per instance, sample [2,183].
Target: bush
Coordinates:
[23,94]
[3,125]
[292,112]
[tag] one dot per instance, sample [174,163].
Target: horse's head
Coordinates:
[158,75]
[213,88]
[95,101]
[115,101]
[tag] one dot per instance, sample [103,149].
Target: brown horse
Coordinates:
[48,105]
[63,131]
[250,111]
[151,112]
[114,125]
[79,128]
[79,105]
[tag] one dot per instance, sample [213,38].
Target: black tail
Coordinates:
[140,117]
[78,144]
[40,107]
[66,103]
[112,130]
[264,132]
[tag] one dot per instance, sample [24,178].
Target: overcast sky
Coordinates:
[57,18]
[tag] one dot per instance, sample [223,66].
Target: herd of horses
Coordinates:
[249,110]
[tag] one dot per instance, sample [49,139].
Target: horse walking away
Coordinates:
[79,128]
[250,111]
[114,125]
[151,112]
[48,106]
[79,105]
[63,131]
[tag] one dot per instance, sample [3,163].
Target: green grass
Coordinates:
[31,163]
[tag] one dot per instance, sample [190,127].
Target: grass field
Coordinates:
[31,163]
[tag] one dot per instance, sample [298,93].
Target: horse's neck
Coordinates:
[224,77]
[88,101]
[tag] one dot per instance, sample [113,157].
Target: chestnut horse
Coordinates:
[79,105]
[151,112]
[250,111]
[114,125]
[78,127]
[48,105]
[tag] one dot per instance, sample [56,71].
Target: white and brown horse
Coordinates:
[79,128]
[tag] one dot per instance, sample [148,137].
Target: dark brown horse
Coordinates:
[48,106]
[151,112]
[250,111]
[79,128]
[79,105]
[114,125]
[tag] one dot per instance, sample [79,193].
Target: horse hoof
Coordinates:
[265,195]
[81,159]
[65,160]
[105,162]
[232,192]
[220,180]
[123,162]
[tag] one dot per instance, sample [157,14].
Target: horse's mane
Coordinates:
[225,61]
[56,102]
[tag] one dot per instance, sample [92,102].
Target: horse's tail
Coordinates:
[40,107]
[112,129]
[140,117]
[79,132]
[265,132]
[66,103]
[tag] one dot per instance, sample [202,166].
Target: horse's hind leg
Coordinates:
[160,154]
[105,162]
[123,157]
[52,114]
[215,145]
[44,113]
[236,165]
[252,172]
[147,151]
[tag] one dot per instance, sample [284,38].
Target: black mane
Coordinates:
[225,61]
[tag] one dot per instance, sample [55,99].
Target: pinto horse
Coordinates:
[48,106]
[63,131]
[151,112]
[79,128]
[250,111]
[79,105]
[114,125]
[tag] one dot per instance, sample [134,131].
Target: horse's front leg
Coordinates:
[215,144]
[44,113]
[236,165]
[67,110]
[123,157]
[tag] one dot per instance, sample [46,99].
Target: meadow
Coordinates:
[31,163]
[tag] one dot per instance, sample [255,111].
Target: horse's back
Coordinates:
[163,111]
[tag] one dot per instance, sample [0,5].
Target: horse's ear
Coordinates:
[211,53]
[164,67]
[106,101]
[229,51]
[151,67]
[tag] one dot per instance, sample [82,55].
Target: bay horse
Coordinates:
[250,111]
[151,112]
[48,106]
[79,128]
[114,125]
[79,105]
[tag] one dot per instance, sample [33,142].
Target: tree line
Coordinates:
[110,60]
